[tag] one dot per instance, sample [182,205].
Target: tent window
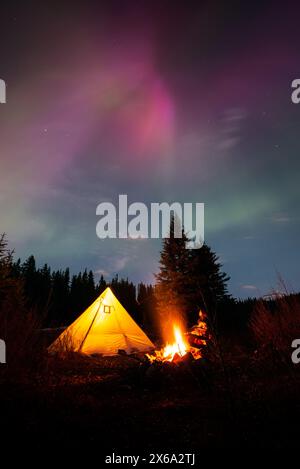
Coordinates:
[107,309]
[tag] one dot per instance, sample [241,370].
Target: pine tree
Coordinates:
[208,284]
[44,290]
[30,278]
[60,297]
[91,285]
[188,280]
[171,281]
[18,324]
[101,285]
[7,280]
[147,305]
[126,293]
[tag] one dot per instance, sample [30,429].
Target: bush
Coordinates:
[275,324]
[18,325]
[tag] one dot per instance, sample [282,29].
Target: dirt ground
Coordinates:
[124,405]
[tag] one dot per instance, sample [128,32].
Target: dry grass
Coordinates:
[274,325]
[64,345]
[24,352]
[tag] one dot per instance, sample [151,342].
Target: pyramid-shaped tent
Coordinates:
[104,328]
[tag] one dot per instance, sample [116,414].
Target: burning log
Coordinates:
[181,362]
[167,354]
[189,344]
[196,341]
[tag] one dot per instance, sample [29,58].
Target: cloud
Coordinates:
[231,125]
[229,142]
[113,264]
[234,115]
[249,287]
[280,218]
[105,273]
[120,263]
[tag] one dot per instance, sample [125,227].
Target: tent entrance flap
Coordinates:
[90,327]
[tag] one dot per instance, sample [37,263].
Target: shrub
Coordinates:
[18,325]
[276,323]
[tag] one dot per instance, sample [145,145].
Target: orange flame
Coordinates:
[192,342]
[179,347]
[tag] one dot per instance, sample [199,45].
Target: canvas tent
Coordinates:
[104,328]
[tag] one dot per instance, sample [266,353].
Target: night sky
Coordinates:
[161,102]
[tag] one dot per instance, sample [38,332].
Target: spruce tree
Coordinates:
[208,284]
[171,281]
[101,285]
[188,280]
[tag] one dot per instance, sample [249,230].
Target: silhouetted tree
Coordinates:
[207,286]
[59,301]
[101,285]
[172,279]
[17,322]
[126,293]
[30,278]
[147,306]
[189,279]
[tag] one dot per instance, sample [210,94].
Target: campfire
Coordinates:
[178,348]
[183,343]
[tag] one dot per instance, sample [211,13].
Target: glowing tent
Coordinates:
[104,328]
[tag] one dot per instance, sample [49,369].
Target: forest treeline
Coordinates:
[187,280]
[59,297]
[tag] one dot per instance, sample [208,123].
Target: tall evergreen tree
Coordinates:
[126,293]
[171,281]
[17,323]
[30,278]
[147,305]
[60,297]
[101,285]
[208,284]
[189,279]
[91,285]
[44,290]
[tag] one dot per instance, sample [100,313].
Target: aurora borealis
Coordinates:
[162,102]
